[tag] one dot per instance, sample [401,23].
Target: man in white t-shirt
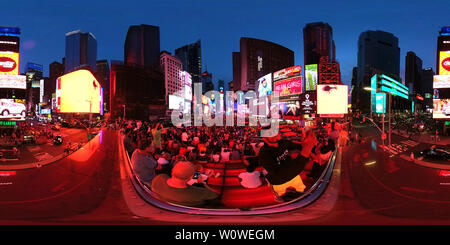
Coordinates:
[251,178]
[225,155]
[184,137]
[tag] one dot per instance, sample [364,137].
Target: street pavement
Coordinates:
[36,153]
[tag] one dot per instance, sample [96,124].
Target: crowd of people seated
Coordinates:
[168,160]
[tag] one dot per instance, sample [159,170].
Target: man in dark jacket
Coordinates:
[282,164]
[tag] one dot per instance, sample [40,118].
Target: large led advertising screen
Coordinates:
[290,86]
[441,97]
[12,109]
[308,102]
[176,102]
[332,99]
[9,63]
[187,78]
[290,109]
[293,71]
[78,92]
[265,85]
[444,63]
[310,77]
[13,81]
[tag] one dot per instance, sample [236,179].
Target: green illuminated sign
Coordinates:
[8,123]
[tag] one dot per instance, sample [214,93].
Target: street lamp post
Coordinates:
[123,111]
[383,135]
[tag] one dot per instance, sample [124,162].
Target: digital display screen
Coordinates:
[332,99]
[265,85]
[9,63]
[78,92]
[311,77]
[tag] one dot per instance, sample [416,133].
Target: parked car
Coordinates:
[29,139]
[433,154]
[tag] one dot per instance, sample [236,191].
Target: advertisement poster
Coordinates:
[441,97]
[308,103]
[444,63]
[287,72]
[289,86]
[310,77]
[9,63]
[9,108]
[265,85]
[13,81]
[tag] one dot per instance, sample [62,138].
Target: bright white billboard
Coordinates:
[176,102]
[13,81]
[265,85]
[441,97]
[332,99]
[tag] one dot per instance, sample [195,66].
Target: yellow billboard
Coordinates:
[9,63]
[78,92]
[444,63]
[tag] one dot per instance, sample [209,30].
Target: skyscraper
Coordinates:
[413,73]
[378,52]
[172,67]
[318,42]
[34,73]
[236,70]
[102,76]
[260,57]
[191,57]
[426,86]
[81,51]
[207,82]
[136,92]
[142,46]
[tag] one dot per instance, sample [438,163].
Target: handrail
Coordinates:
[304,200]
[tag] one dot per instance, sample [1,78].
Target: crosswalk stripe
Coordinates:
[392,149]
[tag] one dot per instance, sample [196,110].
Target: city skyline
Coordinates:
[221,24]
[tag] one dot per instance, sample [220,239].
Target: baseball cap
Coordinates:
[185,170]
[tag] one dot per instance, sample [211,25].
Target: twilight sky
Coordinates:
[220,24]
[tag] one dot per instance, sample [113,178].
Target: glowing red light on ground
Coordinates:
[445,173]
[7,173]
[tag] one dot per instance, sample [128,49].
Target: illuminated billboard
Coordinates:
[78,92]
[308,102]
[310,77]
[289,86]
[441,97]
[9,63]
[11,109]
[13,81]
[287,72]
[265,85]
[444,63]
[332,99]
[290,109]
[379,103]
[176,102]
